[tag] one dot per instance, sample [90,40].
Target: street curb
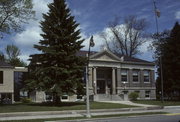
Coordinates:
[169,107]
[16,114]
[97,119]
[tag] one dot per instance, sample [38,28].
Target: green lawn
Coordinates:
[154,102]
[60,107]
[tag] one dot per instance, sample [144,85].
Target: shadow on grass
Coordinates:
[62,104]
[49,104]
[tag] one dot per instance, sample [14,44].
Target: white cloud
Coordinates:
[24,58]
[76,12]
[28,38]
[40,6]
[177,15]
[144,47]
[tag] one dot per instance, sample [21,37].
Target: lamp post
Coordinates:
[91,44]
[124,84]
[157,14]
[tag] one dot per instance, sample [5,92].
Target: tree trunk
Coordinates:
[56,98]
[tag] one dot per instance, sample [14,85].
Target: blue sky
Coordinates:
[93,17]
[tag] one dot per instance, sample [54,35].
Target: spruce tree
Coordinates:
[57,69]
[170,52]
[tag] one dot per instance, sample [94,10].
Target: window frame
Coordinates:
[146,75]
[147,92]
[137,75]
[67,98]
[124,75]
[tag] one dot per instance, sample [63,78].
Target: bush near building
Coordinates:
[133,96]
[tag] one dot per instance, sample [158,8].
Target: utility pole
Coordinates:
[91,44]
[157,14]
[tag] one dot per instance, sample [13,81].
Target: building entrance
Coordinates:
[101,87]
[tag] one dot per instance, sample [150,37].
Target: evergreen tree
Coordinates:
[57,69]
[170,52]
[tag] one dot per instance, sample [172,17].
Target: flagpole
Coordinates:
[160,60]
[155,9]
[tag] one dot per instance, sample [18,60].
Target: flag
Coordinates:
[157,13]
[92,42]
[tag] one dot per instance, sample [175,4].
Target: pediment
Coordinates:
[105,56]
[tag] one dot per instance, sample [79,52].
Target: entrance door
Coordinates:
[101,86]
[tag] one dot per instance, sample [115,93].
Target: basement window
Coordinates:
[147,94]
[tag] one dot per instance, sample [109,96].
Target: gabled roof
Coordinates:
[126,58]
[132,59]
[106,52]
[4,64]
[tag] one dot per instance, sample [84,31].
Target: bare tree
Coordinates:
[125,39]
[13,13]
[12,52]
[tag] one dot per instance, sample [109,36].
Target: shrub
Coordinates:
[133,96]
[26,100]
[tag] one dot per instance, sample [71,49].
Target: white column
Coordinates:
[119,84]
[113,81]
[95,80]
[12,98]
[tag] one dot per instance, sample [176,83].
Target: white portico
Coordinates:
[113,77]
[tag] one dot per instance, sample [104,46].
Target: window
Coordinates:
[79,97]
[1,77]
[147,94]
[49,96]
[146,76]
[124,75]
[135,76]
[64,97]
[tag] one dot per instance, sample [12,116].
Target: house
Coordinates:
[114,77]
[7,81]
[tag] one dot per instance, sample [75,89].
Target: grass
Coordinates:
[34,107]
[154,102]
[78,118]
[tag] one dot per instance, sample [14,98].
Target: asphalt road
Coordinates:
[153,118]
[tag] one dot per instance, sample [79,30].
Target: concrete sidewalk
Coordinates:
[74,113]
[129,103]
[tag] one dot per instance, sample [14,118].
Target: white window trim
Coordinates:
[138,78]
[127,74]
[65,99]
[148,76]
[149,95]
